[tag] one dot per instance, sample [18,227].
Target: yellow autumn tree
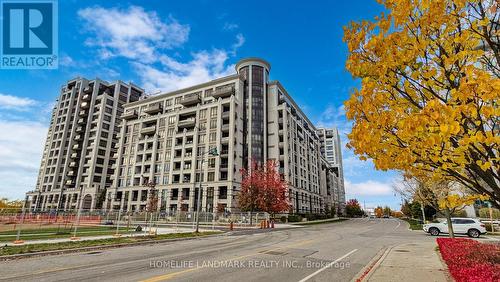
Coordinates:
[430,83]
[445,196]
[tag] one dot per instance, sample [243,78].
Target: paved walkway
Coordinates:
[410,262]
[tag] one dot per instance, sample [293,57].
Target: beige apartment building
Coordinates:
[167,139]
[108,143]
[77,156]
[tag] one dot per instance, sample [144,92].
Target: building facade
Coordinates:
[165,139]
[331,149]
[78,153]
[108,144]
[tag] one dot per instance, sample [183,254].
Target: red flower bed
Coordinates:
[471,261]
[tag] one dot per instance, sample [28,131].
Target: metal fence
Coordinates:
[71,223]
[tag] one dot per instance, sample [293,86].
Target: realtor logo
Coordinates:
[29,34]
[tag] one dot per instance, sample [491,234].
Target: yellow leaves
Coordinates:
[444,128]
[401,124]
[484,165]
[487,111]
[454,127]
[457,201]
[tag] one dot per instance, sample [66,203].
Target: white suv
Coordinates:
[470,226]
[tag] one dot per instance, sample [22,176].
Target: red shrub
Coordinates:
[471,261]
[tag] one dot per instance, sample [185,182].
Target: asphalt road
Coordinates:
[325,252]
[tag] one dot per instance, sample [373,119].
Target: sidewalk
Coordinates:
[409,262]
[160,231]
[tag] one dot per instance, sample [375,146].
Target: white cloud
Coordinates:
[240,40]
[10,102]
[369,188]
[143,38]
[334,116]
[66,61]
[229,26]
[173,74]
[21,147]
[132,33]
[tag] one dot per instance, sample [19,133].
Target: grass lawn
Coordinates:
[331,220]
[60,232]
[414,224]
[33,248]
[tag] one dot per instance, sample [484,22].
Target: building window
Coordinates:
[203,113]
[211,176]
[213,123]
[212,137]
[172,119]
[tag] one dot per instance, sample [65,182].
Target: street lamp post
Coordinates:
[212,152]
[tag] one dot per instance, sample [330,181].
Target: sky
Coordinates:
[166,45]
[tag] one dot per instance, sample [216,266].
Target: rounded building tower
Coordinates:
[255,74]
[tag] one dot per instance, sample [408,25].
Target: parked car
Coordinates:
[469,226]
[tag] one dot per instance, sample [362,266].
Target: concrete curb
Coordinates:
[101,247]
[367,271]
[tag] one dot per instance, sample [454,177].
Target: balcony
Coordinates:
[190,122]
[78,137]
[225,127]
[71,173]
[86,97]
[85,105]
[83,113]
[76,147]
[87,89]
[79,129]
[115,156]
[190,99]
[74,155]
[225,115]
[81,121]
[130,115]
[148,130]
[223,92]
[69,182]
[72,164]
[154,108]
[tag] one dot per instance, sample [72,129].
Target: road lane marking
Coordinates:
[328,266]
[99,264]
[171,275]
[399,223]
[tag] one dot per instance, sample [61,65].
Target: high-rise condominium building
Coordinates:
[331,148]
[169,140]
[77,157]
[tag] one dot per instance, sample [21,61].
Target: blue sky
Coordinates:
[165,45]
